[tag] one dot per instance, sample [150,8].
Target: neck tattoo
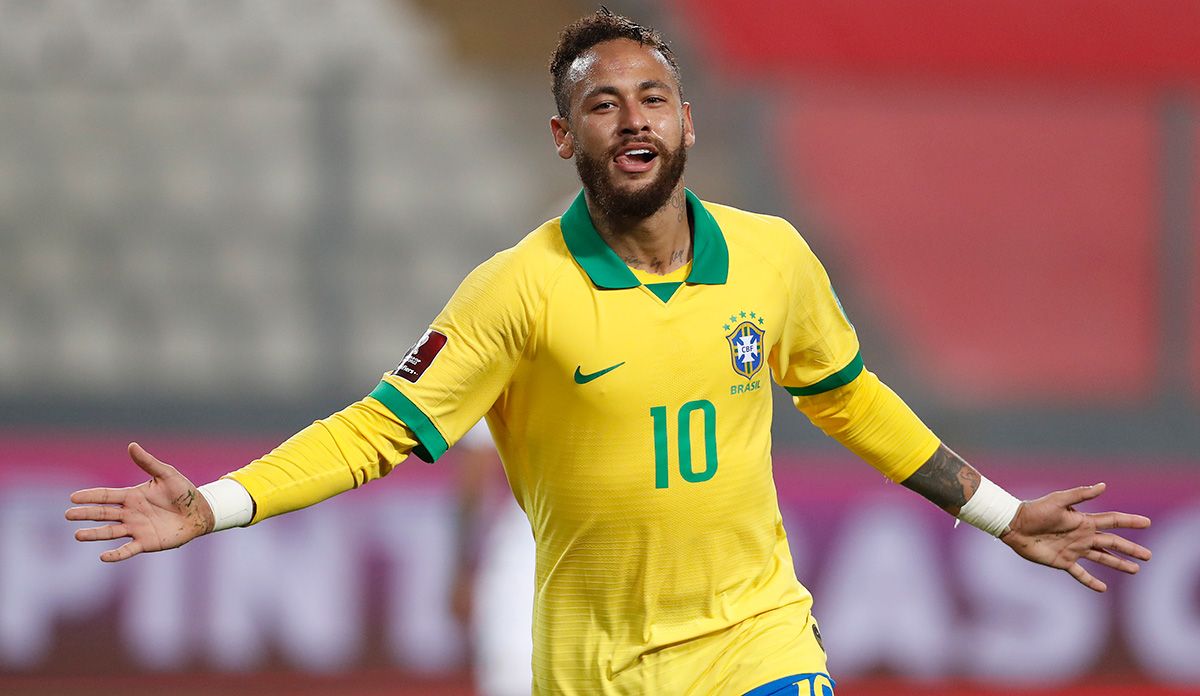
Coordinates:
[679,203]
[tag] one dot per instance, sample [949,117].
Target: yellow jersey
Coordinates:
[634,423]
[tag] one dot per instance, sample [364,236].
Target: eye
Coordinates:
[656,100]
[604,106]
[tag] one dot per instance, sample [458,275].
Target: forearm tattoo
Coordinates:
[945,480]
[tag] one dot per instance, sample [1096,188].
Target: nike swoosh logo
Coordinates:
[581,378]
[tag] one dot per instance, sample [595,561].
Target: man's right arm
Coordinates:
[362,442]
[449,379]
[346,450]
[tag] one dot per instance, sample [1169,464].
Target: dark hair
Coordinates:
[582,34]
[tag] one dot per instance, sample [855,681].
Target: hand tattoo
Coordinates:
[185,500]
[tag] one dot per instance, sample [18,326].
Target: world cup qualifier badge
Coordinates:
[420,356]
[746,345]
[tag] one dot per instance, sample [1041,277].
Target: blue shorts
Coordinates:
[796,685]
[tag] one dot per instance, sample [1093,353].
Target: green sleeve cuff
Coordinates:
[841,378]
[430,443]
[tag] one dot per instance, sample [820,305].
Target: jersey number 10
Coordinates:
[684,438]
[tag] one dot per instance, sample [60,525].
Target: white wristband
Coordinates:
[991,509]
[231,504]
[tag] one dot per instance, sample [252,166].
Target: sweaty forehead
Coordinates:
[619,60]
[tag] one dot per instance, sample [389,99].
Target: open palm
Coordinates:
[1052,532]
[163,513]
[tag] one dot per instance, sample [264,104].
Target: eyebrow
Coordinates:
[643,86]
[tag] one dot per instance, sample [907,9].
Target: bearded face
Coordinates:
[610,188]
[628,129]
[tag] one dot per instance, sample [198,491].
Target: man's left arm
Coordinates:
[1048,530]
[817,360]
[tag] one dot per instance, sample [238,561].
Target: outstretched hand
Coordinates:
[1052,532]
[163,513]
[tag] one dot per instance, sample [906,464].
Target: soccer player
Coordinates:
[621,355]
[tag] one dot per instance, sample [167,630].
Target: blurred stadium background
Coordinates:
[222,219]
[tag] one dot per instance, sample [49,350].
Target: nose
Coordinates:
[633,119]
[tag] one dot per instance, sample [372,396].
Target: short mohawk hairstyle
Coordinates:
[582,34]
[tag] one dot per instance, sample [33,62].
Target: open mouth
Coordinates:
[635,159]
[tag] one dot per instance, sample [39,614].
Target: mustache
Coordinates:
[655,142]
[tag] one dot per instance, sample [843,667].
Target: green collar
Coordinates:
[710,255]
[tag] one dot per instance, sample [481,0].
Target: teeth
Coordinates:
[642,151]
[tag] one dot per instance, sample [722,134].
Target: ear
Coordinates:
[689,131]
[564,140]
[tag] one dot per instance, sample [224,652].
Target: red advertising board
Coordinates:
[354,592]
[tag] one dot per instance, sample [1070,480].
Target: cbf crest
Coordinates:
[746,345]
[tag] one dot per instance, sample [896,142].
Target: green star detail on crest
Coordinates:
[754,318]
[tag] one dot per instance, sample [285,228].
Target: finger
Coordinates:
[148,462]
[1085,578]
[1107,559]
[1112,542]
[102,496]
[96,513]
[1119,520]
[128,550]
[109,531]
[1074,496]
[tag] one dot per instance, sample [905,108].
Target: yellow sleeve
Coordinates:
[818,348]
[870,420]
[817,360]
[462,365]
[358,444]
[445,383]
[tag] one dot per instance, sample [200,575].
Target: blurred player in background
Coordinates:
[494,573]
[618,353]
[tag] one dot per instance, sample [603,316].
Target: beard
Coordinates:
[637,204]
